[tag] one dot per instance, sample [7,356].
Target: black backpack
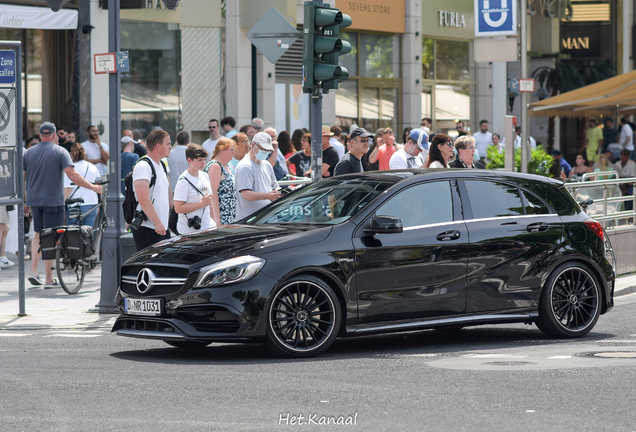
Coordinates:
[130,202]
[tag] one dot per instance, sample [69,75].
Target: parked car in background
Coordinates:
[377,252]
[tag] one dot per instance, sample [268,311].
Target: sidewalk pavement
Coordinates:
[54,309]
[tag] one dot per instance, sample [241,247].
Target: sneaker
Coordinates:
[55,284]
[4,262]
[35,279]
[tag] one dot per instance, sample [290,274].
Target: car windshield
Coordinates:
[327,202]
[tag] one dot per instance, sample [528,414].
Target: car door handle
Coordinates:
[537,226]
[448,235]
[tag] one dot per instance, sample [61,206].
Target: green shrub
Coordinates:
[540,162]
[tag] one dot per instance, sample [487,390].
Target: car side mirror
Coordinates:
[384,225]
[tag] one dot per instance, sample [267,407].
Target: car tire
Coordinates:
[570,302]
[188,344]
[303,317]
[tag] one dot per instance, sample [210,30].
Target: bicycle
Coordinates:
[71,272]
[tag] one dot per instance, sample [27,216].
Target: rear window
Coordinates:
[491,199]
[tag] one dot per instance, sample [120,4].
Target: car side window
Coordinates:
[534,205]
[491,199]
[422,204]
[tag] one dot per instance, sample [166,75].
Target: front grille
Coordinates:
[145,325]
[210,319]
[167,280]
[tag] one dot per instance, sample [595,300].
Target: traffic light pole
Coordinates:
[315,127]
[111,248]
[315,122]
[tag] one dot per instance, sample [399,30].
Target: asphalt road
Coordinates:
[495,378]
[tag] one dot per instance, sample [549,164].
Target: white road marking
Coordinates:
[494,356]
[421,355]
[72,335]
[618,341]
[530,411]
[560,357]
[14,334]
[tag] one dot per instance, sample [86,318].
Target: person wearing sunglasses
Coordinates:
[413,153]
[465,146]
[359,145]
[215,135]
[440,152]
[255,180]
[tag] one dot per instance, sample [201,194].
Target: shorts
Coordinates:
[47,217]
[4,216]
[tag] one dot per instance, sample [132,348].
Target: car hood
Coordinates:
[222,243]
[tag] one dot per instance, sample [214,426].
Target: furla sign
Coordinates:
[452,19]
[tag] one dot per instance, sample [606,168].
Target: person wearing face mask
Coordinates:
[255,180]
[413,153]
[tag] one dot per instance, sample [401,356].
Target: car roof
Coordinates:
[418,174]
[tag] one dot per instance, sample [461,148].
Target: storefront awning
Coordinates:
[613,96]
[26,17]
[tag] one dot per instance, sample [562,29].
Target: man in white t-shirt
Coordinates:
[627,137]
[154,201]
[90,174]
[483,138]
[177,161]
[215,135]
[410,156]
[193,194]
[335,140]
[254,179]
[96,150]
[533,142]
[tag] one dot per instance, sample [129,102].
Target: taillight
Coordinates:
[596,228]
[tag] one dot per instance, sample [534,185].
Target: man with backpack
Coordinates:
[151,189]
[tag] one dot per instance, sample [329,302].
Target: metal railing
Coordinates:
[604,200]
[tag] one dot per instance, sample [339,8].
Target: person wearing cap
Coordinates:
[330,156]
[410,156]
[465,146]
[140,149]
[558,160]
[255,180]
[359,145]
[44,166]
[96,150]
[177,161]
[128,159]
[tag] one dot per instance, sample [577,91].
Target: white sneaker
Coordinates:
[4,262]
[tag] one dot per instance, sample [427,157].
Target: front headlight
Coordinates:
[229,271]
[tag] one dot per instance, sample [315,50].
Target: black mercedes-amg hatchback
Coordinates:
[375,253]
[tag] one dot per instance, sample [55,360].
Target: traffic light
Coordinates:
[322,47]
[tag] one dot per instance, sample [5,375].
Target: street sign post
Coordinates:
[526,85]
[8,116]
[7,67]
[105,63]
[123,63]
[495,17]
[273,35]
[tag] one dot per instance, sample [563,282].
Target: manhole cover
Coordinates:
[616,354]
[510,363]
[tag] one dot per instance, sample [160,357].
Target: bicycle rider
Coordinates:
[44,165]
[90,174]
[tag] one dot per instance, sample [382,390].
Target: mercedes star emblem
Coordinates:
[144,280]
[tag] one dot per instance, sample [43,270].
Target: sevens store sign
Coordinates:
[495,17]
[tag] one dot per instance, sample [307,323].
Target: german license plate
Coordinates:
[147,307]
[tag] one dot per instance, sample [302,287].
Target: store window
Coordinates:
[446,82]
[370,97]
[150,92]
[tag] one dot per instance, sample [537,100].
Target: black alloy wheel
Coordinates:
[570,302]
[303,318]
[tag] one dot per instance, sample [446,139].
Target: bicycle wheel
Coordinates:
[69,272]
